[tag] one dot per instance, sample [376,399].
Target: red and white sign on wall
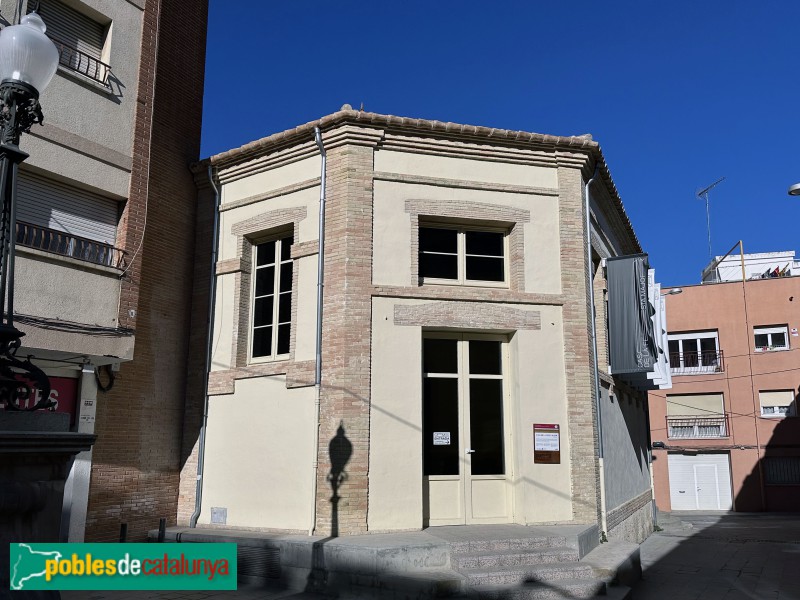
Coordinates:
[63,391]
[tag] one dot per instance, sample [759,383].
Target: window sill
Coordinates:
[261,360]
[87,81]
[503,285]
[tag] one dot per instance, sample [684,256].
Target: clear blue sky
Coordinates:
[677,93]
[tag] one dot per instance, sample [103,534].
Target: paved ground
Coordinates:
[708,557]
[722,557]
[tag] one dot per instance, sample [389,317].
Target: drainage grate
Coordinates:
[254,561]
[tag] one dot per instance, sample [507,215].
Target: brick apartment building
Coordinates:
[455,321]
[104,256]
[727,437]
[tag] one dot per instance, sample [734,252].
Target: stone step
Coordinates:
[525,543]
[527,573]
[561,589]
[510,558]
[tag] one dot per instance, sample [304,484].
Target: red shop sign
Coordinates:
[63,391]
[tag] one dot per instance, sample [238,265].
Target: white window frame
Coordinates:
[768,331]
[279,239]
[772,412]
[461,257]
[695,336]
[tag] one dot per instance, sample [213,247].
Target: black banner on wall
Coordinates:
[630,330]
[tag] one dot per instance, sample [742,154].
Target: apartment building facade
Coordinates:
[103,263]
[453,344]
[726,436]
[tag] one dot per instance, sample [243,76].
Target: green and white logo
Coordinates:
[123,566]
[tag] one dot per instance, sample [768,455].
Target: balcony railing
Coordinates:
[58,242]
[689,363]
[694,427]
[80,62]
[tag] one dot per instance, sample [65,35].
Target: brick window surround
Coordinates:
[247,233]
[431,212]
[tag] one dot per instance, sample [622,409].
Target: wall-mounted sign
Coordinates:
[63,391]
[441,438]
[546,443]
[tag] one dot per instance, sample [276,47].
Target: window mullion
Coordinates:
[276,296]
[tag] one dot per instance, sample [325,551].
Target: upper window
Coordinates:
[777,403]
[272,298]
[695,352]
[771,338]
[79,38]
[462,255]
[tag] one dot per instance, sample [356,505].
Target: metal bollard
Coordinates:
[162,529]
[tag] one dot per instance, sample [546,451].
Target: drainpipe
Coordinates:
[212,299]
[593,319]
[318,364]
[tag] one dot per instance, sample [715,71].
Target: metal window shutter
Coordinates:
[48,203]
[72,27]
[700,482]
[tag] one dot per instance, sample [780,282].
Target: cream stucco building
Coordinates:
[456,364]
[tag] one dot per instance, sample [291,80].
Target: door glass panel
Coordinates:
[440,417]
[486,426]
[440,356]
[708,352]
[484,358]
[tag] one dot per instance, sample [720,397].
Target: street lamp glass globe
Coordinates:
[27,54]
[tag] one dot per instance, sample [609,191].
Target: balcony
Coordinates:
[58,242]
[695,427]
[80,62]
[696,363]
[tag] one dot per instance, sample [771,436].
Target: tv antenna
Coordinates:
[703,195]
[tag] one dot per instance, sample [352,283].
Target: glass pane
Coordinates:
[708,349]
[762,340]
[265,253]
[674,354]
[439,356]
[262,313]
[285,307]
[265,281]
[779,340]
[286,277]
[484,242]
[486,426]
[484,358]
[441,266]
[284,333]
[485,269]
[262,341]
[438,240]
[286,248]
[440,416]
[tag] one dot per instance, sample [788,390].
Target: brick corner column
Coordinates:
[578,351]
[343,451]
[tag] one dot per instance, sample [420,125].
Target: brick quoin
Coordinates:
[138,456]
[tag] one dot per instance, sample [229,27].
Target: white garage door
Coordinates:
[700,482]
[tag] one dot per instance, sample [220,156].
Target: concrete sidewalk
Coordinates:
[722,557]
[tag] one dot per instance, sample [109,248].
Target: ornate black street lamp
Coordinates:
[28,61]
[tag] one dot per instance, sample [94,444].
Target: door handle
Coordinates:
[470,451]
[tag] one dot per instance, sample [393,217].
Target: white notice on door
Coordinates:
[441,438]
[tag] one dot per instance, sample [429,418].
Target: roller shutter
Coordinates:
[72,27]
[48,203]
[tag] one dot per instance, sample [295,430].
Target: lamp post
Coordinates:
[28,61]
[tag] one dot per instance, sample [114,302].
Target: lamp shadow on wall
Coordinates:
[340,450]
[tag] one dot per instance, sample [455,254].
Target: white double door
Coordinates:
[466,425]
